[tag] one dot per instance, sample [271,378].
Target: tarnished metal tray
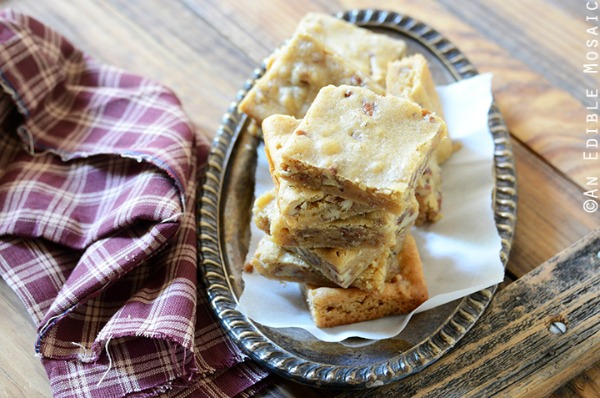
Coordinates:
[224,208]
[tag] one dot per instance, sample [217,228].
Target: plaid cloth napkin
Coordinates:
[98,174]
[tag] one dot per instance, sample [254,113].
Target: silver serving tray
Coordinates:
[224,209]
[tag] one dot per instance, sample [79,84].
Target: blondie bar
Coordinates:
[305,206]
[361,146]
[402,294]
[300,204]
[429,194]
[370,52]
[368,230]
[313,218]
[411,78]
[296,74]
[340,265]
[275,262]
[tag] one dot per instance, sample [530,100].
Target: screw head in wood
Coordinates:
[557,328]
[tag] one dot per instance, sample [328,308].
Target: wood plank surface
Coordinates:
[528,31]
[21,373]
[205,50]
[587,384]
[543,208]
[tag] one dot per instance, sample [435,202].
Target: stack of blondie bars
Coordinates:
[354,138]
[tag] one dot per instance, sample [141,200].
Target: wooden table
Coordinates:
[537,49]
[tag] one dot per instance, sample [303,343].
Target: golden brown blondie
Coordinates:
[370,52]
[341,265]
[411,78]
[367,230]
[275,262]
[330,306]
[361,146]
[295,76]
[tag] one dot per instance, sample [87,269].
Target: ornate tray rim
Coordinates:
[216,279]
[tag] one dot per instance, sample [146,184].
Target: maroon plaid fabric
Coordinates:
[98,173]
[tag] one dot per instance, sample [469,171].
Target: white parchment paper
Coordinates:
[460,252]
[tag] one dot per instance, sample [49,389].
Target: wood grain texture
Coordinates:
[528,30]
[549,214]
[586,385]
[21,374]
[511,351]
[258,29]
